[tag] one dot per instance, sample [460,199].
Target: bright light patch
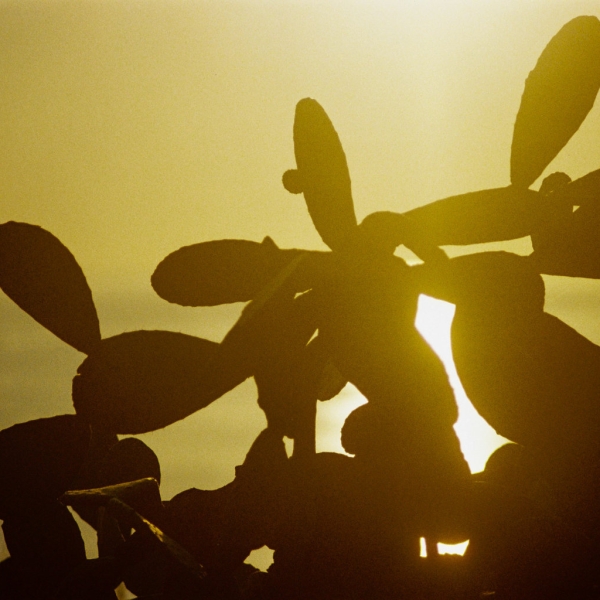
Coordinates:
[261,559]
[457,549]
[289,446]
[434,319]
[477,439]
[453,548]
[331,415]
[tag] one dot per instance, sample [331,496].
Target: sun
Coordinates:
[477,439]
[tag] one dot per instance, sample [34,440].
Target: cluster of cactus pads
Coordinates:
[342,526]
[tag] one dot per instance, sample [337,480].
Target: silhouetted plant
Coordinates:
[344,527]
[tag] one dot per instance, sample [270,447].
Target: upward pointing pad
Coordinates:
[323,174]
[559,93]
[40,274]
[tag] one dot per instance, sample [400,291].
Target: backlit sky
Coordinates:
[130,129]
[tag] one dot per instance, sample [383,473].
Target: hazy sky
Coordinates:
[130,129]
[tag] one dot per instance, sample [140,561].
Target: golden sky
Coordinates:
[132,128]
[129,129]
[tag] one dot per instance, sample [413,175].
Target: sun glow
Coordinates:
[477,439]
